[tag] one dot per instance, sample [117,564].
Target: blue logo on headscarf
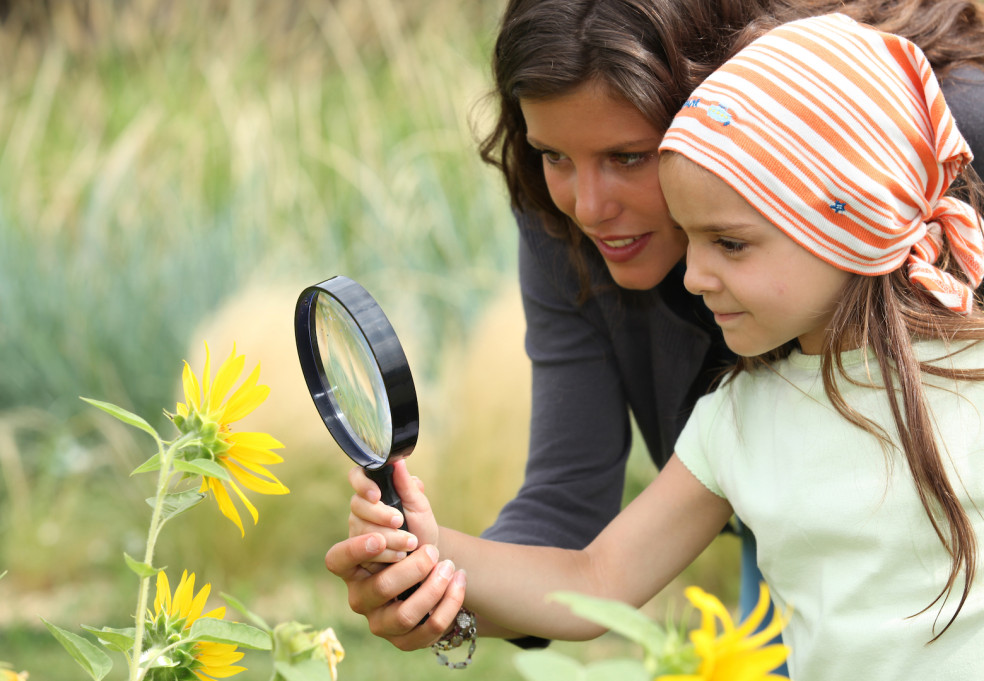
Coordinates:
[719,113]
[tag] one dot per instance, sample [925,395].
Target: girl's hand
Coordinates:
[369,515]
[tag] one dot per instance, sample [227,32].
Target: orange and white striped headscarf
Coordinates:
[839,135]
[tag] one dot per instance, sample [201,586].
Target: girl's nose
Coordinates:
[698,279]
[593,200]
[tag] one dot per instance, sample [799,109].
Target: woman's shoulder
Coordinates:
[963,89]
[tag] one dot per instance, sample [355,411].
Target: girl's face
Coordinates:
[763,288]
[601,165]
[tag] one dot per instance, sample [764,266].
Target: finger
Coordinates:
[411,491]
[344,558]
[448,586]
[367,595]
[375,513]
[363,486]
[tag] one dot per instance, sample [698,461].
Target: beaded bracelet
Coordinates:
[464,629]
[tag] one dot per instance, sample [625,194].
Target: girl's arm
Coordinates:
[645,547]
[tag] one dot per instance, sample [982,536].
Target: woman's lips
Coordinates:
[621,249]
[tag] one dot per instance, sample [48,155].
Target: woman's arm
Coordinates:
[579,426]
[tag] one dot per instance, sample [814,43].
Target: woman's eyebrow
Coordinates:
[620,147]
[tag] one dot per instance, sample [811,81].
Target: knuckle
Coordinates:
[406,619]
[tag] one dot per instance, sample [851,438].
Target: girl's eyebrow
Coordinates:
[719,228]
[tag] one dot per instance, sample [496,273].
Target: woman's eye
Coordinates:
[551,157]
[630,159]
[730,246]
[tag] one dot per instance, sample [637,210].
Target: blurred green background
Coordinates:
[173,173]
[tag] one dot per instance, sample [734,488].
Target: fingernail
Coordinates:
[411,542]
[373,544]
[445,569]
[400,555]
[396,521]
[432,552]
[460,579]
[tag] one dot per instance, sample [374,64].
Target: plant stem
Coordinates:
[156,523]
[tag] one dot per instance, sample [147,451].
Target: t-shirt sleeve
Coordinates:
[695,447]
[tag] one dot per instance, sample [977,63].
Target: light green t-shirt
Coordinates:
[843,540]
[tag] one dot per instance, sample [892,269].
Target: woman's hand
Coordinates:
[373,595]
[374,540]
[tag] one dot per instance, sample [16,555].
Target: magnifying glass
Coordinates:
[359,378]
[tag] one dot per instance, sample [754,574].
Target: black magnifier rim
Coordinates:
[390,361]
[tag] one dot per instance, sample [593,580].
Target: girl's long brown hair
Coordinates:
[885,315]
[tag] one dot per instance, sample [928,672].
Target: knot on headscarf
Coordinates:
[957,222]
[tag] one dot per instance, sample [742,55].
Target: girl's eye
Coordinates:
[730,246]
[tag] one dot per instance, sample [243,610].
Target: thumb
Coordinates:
[410,489]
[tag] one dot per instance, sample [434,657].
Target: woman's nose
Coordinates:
[593,200]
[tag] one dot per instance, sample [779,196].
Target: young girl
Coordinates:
[808,175]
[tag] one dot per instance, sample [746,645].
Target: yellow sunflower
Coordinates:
[9,675]
[243,455]
[208,660]
[738,653]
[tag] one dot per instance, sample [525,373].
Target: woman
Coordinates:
[610,327]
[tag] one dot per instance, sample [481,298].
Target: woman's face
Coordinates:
[601,165]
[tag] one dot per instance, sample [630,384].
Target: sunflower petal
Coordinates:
[162,603]
[246,502]
[256,478]
[225,503]
[755,617]
[198,605]
[218,673]
[246,398]
[207,374]
[258,457]
[183,594]
[228,374]
[192,389]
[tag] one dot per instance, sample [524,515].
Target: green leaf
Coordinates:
[204,467]
[620,617]
[151,464]
[177,503]
[253,617]
[547,665]
[125,416]
[93,660]
[308,670]
[114,639]
[142,569]
[220,631]
[623,669]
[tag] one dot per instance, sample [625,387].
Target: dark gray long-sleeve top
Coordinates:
[652,352]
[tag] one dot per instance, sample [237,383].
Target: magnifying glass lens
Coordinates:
[353,377]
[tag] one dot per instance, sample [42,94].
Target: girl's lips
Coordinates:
[621,249]
[721,318]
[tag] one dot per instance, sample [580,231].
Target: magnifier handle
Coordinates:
[383,477]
